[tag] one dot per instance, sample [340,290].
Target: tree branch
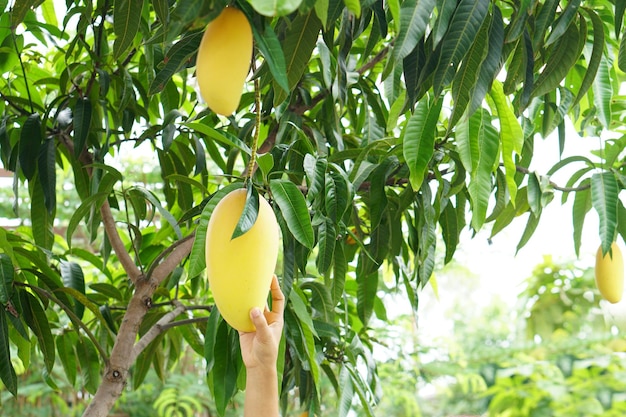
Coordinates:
[171,257]
[156,330]
[116,243]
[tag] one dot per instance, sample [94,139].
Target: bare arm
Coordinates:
[259,350]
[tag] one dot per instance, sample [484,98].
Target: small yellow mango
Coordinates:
[223,60]
[610,273]
[240,270]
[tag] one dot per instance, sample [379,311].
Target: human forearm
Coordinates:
[261,396]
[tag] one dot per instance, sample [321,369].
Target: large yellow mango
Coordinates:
[223,60]
[610,274]
[240,270]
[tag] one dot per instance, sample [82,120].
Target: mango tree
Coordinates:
[377,130]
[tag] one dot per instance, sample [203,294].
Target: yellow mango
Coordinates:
[223,60]
[610,274]
[240,270]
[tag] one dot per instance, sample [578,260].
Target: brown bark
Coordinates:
[124,353]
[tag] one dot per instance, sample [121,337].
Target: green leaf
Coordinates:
[563,22]
[175,59]
[42,220]
[603,94]
[89,364]
[197,261]
[162,10]
[354,7]
[273,8]
[7,274]
[300,40]
[224,376]
[30,141]
[414,18]
[491,63]
[418,143]
[35,318]
[294,209]
[467,76]
[19,10]
[367,285]
[462,32]
[604,198]
[73,277]
[220,136]
[511,135]
[126,21]
[47,174]
[152,198]
[562,58]
[82,124]
[326,236]
[321,299]
[7,372]
[449,230]
[580,208]
[478,145]
[66,343]
[337,198]
[249,214]
[269,46]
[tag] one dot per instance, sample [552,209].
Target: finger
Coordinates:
[260,322]
[278,298]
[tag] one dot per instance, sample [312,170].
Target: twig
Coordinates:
[116,243]
[156,330]
[157,262]
[19,56]
[554,185]
[177,252]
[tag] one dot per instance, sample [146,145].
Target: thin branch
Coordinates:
[157,262]
[371,63]
[73,317]
[554,185]
[116,243]
[19,56]
[185,322]
[156,330]
[177,252]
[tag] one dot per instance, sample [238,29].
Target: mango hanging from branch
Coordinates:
[223,60]
[240,269]
[609,273]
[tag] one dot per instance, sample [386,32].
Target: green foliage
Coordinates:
[382,127]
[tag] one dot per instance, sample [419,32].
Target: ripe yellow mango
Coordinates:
[610,274]
[240,270]
[223,60]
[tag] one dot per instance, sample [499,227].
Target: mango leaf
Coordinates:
[66,343]
[294,209]
[82,122]
[300,40]
[354,7]
[41,219]
[197,261]
[30,141]
[89,364]
[418,143]
[148,195]
[464,27]
[338,195]
[604,198]
[603,94]
[468,73]
[269,46]
[73,277]
[449,231]
[326,236]
[562,58]
[273,8]
[19,10]
[580,208]
[161,8]
[84,209]
[367,285]
[224,373]
[7,274]
[249,213]
[511,135]
[47,174]
[35,318]
[491,63]
[126,20]
[563,22]
[414,17]
[7,372]
[220,136]
[321,299]
[175,59]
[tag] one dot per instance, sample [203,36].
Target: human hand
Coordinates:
[259,349]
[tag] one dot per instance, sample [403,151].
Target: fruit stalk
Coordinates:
[257,124]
